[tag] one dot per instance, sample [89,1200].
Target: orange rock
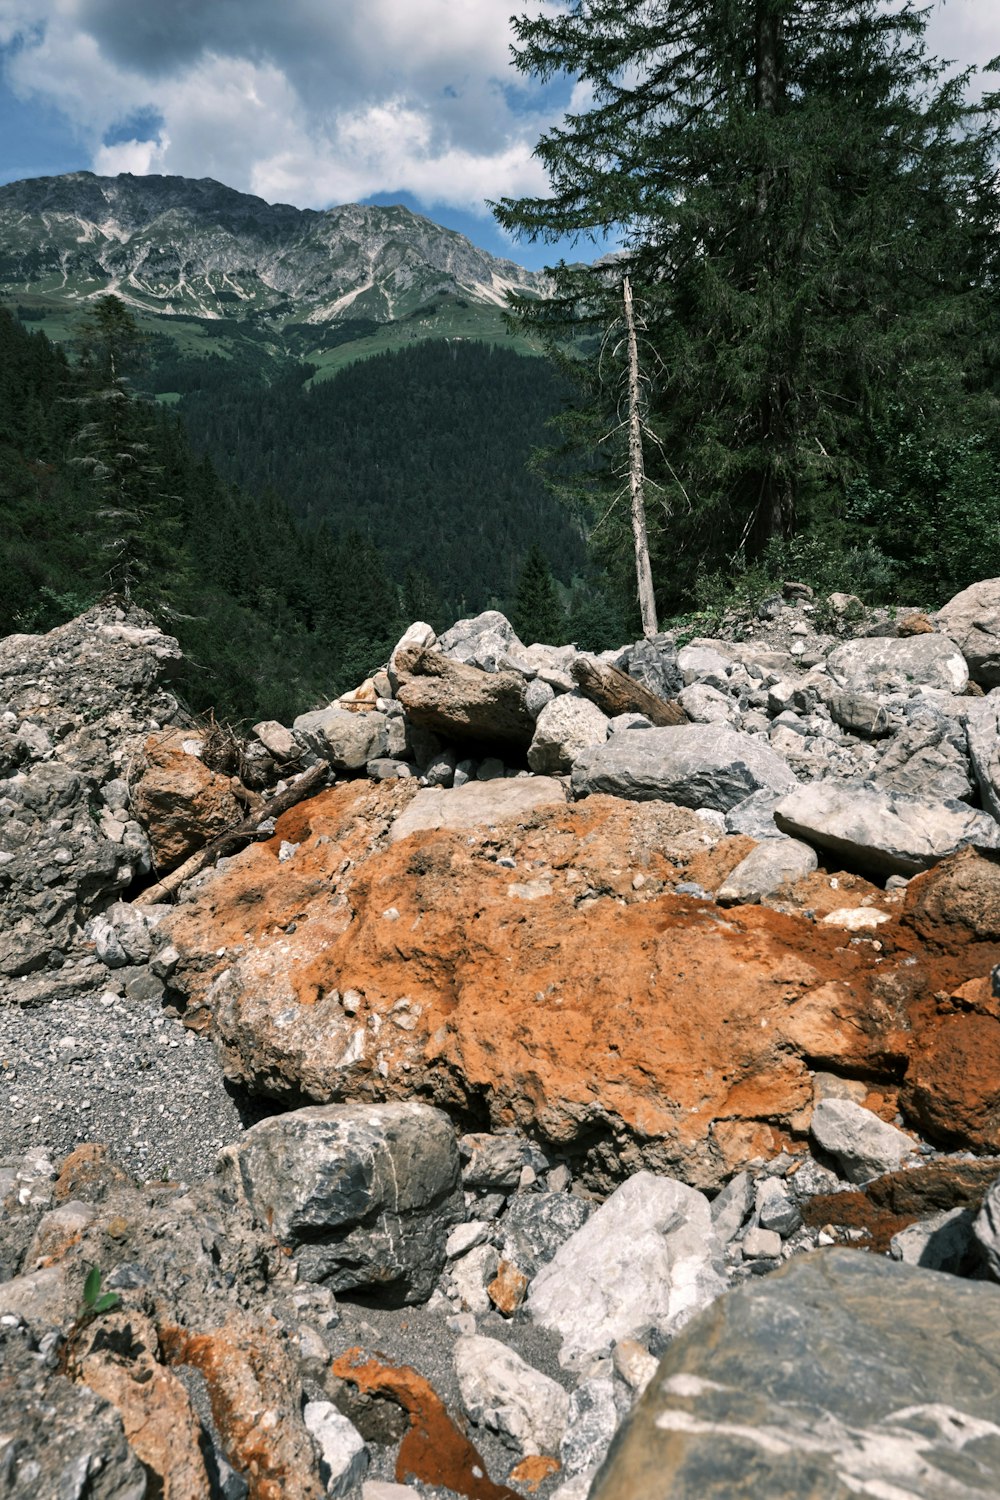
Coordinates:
[253,1390]
[180,802]
[156,1412]
[87,1172]
[433,1450]
[561,995]
[507,1290]
[915,624]
[534,1470]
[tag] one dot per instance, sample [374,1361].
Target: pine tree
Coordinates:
[808,214]
[538,614]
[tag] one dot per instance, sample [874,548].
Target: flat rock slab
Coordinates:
[693,765]
[891,833]
[842,1374]
[477,804]
[872,663]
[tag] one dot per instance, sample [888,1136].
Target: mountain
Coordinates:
[176,247]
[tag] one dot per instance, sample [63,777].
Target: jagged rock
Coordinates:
[536,1225]
[862,714]
[887,832]
[941,1243]
[927,760]
[277,740]
[492,1161]
[593,1418]
[482,641]
[647,1258]
[850,1406]
[344,1450]
[731,1207]
[863,1145]
[654,663]
[774,863]
[477,804]
[563,730]
[754,816]
[180,801]
[986,1231]
[502,1391]
[983,731]
[463,702]
[345,739]
[701,661]
[706,705]
[536,695]
[972,620]
[694,765]
[364,1194]
[880,664]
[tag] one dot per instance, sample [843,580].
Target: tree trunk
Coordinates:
[637,476]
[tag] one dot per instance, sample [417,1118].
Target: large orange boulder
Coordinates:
[181,803]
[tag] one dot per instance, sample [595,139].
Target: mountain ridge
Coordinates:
[177,245]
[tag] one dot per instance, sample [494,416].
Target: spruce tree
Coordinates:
[807,209]
[538,614]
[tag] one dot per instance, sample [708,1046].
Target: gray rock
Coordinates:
[502,1392]
[889,833]
[440,769]
[775,1208]
[694,765]
[593,1419]
[536,695]
[732,1206]
[700,660]
[761,1244]
[563,730]
[481,641]
[862,714]
[983,736]
[941,1242]
[986,1231]
[58,1441]
[774,863]
[647,1258]
[842,1374]
[346,740]
[862,1145]
[491,1161]
[470,1275]
[277,740]
[972,620]
[364,1195]
[385,768]
[343,1449]
[654,664]
[477,803]
[884,664]
[927,759]
[536,1225]
[706,705]
[754,816]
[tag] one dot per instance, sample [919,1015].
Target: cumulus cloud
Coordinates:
[309,101]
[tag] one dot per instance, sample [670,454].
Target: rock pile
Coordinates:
[607,1007]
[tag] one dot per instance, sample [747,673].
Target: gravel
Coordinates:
[85,1061]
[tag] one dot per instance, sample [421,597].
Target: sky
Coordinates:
[311,102]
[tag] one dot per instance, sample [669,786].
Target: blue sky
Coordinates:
[312,102]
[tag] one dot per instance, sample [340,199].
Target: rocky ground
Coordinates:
[590,1020]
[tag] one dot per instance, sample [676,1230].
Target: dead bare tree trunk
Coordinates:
[637,475]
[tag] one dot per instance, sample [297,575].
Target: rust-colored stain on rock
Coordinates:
[533,1471]
[569,991]
[433,1451]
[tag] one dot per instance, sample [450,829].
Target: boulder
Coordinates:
[647,1258]
[502,1391]
[841,1374]
[653,662]
[927,760]
[982,727]
[364,1195]
[563,730]
[180,801]
[344,1450]
[986,1231]
[774,863]
[693,765]
[972,620]
[536,1225]
[862,714]
[890,833]
[482,640]
[881,664]
[862,1145]
[706,705]
[463,702]
[345,739]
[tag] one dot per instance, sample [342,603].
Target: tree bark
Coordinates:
[616,692]
[637,475]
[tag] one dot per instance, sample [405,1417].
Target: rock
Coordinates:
[508,1288]
[536,1225]
[563,730]
[940,1243]
[754,816]
[927,760]
[491,1161]
[346,740]
[880,664]
[706,705]
[537,695]
[634,1364]
[654,663]
[593,1418]
[418,635]
[59,1438]
[986,1231]
[731,1207]
[696,765]
[886,832]
[862,714]
[856,918]
[863,1145]
[482,641]
[851,1406]
[277,740]
[700,660]
[464,1237]
[343,1449]
[775,1208]
[179,800]
[462,702]
[983,732]
[646,1258]
[501,1391]
[364,1195]
[972,620]
[761,1244]
[773,864]
[478,804]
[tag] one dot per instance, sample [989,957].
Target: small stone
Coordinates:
[761,1244]
[344,1450]
[508,1288]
